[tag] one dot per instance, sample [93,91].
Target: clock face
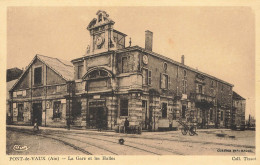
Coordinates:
[145,59]
[99,41]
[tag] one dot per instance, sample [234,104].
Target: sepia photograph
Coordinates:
[130,81]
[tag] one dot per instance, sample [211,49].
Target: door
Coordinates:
[97,117]
[37,113]
[150,122]
[101,121]
[20,112]
[146,118]
[164,110]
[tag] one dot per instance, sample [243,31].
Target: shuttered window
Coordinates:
[149,77]
[145,76]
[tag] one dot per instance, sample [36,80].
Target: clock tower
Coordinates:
[102,35]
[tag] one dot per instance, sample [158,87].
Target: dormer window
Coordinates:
[99,17]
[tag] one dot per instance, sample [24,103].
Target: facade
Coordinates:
[39,94]
[112,82]
[9,85]
[238,114]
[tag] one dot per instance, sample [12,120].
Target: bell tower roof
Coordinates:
[101,20]
[103,35]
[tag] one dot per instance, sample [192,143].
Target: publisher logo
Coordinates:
[20,148]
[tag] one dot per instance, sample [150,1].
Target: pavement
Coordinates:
[112,132]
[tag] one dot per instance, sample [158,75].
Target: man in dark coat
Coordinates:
[126,125]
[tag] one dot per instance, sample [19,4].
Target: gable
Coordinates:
[54,78]
[28,77]
[24,81]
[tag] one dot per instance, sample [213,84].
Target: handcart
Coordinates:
[191,128]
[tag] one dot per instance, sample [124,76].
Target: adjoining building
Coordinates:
[39,92]
[238,111]
[112,82]
[13,74]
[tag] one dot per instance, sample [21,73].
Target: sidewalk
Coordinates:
[112,132]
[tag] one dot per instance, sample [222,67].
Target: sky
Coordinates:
[219,41]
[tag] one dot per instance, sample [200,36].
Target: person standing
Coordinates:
[126,124]
[35,125]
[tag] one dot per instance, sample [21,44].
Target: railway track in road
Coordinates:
[116,147]
[94,143]
[80,145]
[53,138]
[157,150]
[168,139]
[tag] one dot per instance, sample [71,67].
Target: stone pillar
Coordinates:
[111,104]
[156,111]
[84,112]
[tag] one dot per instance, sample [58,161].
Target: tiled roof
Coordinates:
[62,67]
[9,85]
[236,96]
[156,55]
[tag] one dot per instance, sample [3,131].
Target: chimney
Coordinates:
[182,59]
[148,40]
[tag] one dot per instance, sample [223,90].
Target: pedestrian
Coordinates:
[35,125]
[68,123]
[99,124]
[126,124]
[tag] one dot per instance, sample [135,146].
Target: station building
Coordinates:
[113,81]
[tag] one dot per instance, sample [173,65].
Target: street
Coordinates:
[21,140]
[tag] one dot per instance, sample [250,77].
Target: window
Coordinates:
[183,114]
[200,88]
[222,87]
[58,89]
[164,81]
[222,116]
[212,83]
[164,66]
[147,77]
[57,109]
[211,114]
[38,76]
[123,107]
[124,65]
[184,86]
[164,110]
[184,73]
[99,17]
[80,71]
